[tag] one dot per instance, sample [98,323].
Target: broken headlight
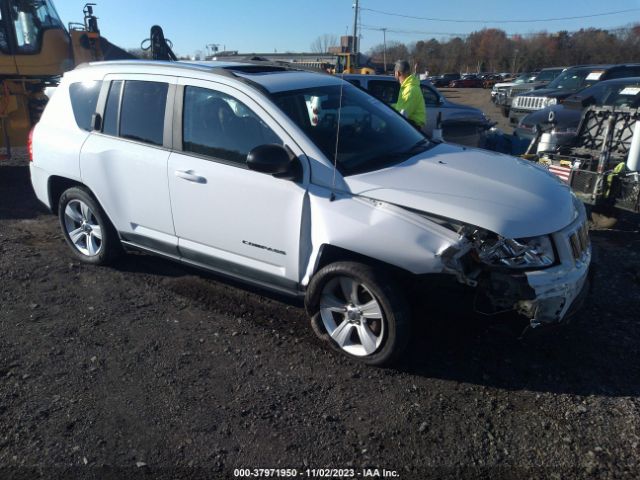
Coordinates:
[494,250]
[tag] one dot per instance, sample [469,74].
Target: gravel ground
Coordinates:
[151,370]
[479,98]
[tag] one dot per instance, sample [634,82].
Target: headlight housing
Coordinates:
[551,101]
[497,251]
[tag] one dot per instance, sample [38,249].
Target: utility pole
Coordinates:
[356,6]
[384,48]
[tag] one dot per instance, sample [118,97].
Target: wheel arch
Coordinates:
[57,186]
[328,254]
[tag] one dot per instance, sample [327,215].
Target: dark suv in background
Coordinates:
[569,82]
[542,79]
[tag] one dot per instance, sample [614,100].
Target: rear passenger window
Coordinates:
[217,125]
[142,111]
[387,91]
[84,97]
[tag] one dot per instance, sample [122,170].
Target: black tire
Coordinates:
[395,320]
[505,111]
[109,243]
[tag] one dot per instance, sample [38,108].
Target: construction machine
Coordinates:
[35,50]
[347,62]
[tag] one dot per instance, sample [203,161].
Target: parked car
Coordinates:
[468,81]
[501,87]
[620,92]
[543,78]
[572,80]
[445,79]
[220,166]
[461,123]
[489,80]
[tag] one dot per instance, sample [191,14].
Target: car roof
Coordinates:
[623,80]
[268,77]
[606,66]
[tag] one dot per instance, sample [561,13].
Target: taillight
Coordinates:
[30,144]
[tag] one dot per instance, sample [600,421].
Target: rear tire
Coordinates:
[359,311]
[86,228]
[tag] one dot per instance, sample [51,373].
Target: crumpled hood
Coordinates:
[509,196]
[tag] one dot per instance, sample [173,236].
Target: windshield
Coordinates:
[525,78]
[622,95]
[575,79]
[547,75]
[30,19]
[372,135]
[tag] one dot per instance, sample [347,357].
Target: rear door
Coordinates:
[227,217]
[125,163]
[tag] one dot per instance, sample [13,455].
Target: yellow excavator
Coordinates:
[36,49]
[347,63]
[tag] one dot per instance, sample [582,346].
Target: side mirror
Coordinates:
[272,159]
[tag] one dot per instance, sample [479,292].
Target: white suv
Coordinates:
[304,184]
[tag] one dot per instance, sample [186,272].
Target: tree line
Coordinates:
[492,50]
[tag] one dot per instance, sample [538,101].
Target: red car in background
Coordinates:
[468,81]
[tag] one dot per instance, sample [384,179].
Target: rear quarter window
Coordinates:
[84,98]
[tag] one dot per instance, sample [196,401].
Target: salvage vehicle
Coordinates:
[459,123]
[505,96]
[621,92]
[221,166]
[571,81]
[501,87]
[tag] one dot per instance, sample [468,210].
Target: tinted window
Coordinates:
[84,97]
[217,125]
[142,111]
[112,110]
[354,82]
[387,91]
[623,72]
[430,97]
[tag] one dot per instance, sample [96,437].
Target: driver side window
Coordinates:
[217,125]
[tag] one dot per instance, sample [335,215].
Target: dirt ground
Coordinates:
[152,370]
[479,98]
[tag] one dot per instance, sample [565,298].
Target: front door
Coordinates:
[226,216]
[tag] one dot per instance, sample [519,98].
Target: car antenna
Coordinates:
[335,155]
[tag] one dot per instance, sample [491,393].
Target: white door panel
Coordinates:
[130,182]
[232,218]
[235,214]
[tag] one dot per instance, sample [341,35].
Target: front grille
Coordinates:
[518,90]
[529,103]
[579,241]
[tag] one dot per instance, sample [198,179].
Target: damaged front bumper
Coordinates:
[549,296]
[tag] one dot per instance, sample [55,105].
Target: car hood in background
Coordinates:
[565,118]
[549,92]
[503,194]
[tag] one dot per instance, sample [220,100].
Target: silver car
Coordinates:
[461,124]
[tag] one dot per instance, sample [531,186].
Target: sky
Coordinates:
[254,26]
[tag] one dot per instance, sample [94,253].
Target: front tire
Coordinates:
[86,228]
[359,311]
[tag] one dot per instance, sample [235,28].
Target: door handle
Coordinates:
[190,176]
